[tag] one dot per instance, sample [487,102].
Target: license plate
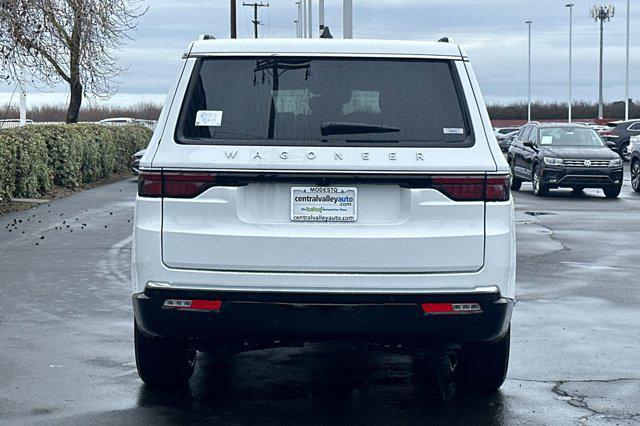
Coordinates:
[324,204]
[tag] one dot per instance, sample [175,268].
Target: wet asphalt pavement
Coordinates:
[66,341]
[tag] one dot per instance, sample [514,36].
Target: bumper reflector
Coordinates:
[451,308]
[193,305]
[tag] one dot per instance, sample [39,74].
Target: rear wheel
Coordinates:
[624,152]
[539,188]
[482,366]
[516,183]
[635,175]
[162,361]
[612,191]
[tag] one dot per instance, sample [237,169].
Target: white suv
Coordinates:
[324,191]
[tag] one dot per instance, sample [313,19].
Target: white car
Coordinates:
[324,191]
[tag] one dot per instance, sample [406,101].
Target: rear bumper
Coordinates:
[264,318]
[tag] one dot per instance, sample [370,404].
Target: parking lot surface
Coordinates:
[66,336]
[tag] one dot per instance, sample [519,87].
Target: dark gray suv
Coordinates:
[564,156]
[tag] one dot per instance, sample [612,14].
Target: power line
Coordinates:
[255,15]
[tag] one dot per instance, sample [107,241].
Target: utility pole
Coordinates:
[232,17]
[309,19]
[529,72]
[626,84]
[304,19]
[321,15]
[570,6]
[298,21]
[347,18]
[255,21]
[602,14]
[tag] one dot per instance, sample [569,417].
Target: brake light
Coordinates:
[150,184]
[187,184]
[498,188]
[474,188]
[460,188]
[174,184]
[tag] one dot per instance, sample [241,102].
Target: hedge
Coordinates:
[34,158]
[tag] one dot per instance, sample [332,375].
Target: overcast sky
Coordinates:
[493,33]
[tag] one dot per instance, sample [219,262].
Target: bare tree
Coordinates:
[71,41]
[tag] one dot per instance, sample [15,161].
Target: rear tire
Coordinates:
[516,183]
[624,151]
[635,175]
[612,191]
[162,361]
[539,188]
[482,366]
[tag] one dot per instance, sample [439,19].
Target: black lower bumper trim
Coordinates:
[368,318]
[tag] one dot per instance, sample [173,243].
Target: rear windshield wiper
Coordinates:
[339,128]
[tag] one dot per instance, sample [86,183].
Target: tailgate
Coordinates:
[400,227]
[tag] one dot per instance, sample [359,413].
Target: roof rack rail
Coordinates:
[206,37]
[444,40]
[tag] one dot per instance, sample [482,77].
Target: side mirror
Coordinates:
[528,144]
[611,145]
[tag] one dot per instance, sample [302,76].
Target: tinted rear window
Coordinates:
[289,101]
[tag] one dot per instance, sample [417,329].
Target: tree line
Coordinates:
[559,111]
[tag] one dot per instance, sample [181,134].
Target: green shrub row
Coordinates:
[34,158]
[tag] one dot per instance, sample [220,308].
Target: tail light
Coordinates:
[498,188]
[174,184]
[608,134]
[183,184]
[474,188]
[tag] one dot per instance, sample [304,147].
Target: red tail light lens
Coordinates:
[150,184]
[460,188]
[474,188]
[193,305]
[498,188]
[451,308]
[174,184]
[187,184]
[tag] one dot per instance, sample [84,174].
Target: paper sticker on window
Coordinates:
[209,118]
[546,140]
[453,131]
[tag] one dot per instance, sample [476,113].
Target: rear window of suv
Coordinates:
[324,102]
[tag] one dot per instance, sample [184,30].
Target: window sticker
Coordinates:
[209,118]
[546,140]
[362,101]
[453,131]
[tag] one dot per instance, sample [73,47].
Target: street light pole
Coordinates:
[310,19]
[570,6]
[347,18]
[529,72]
[626,84]
[232,19]
[602,14]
